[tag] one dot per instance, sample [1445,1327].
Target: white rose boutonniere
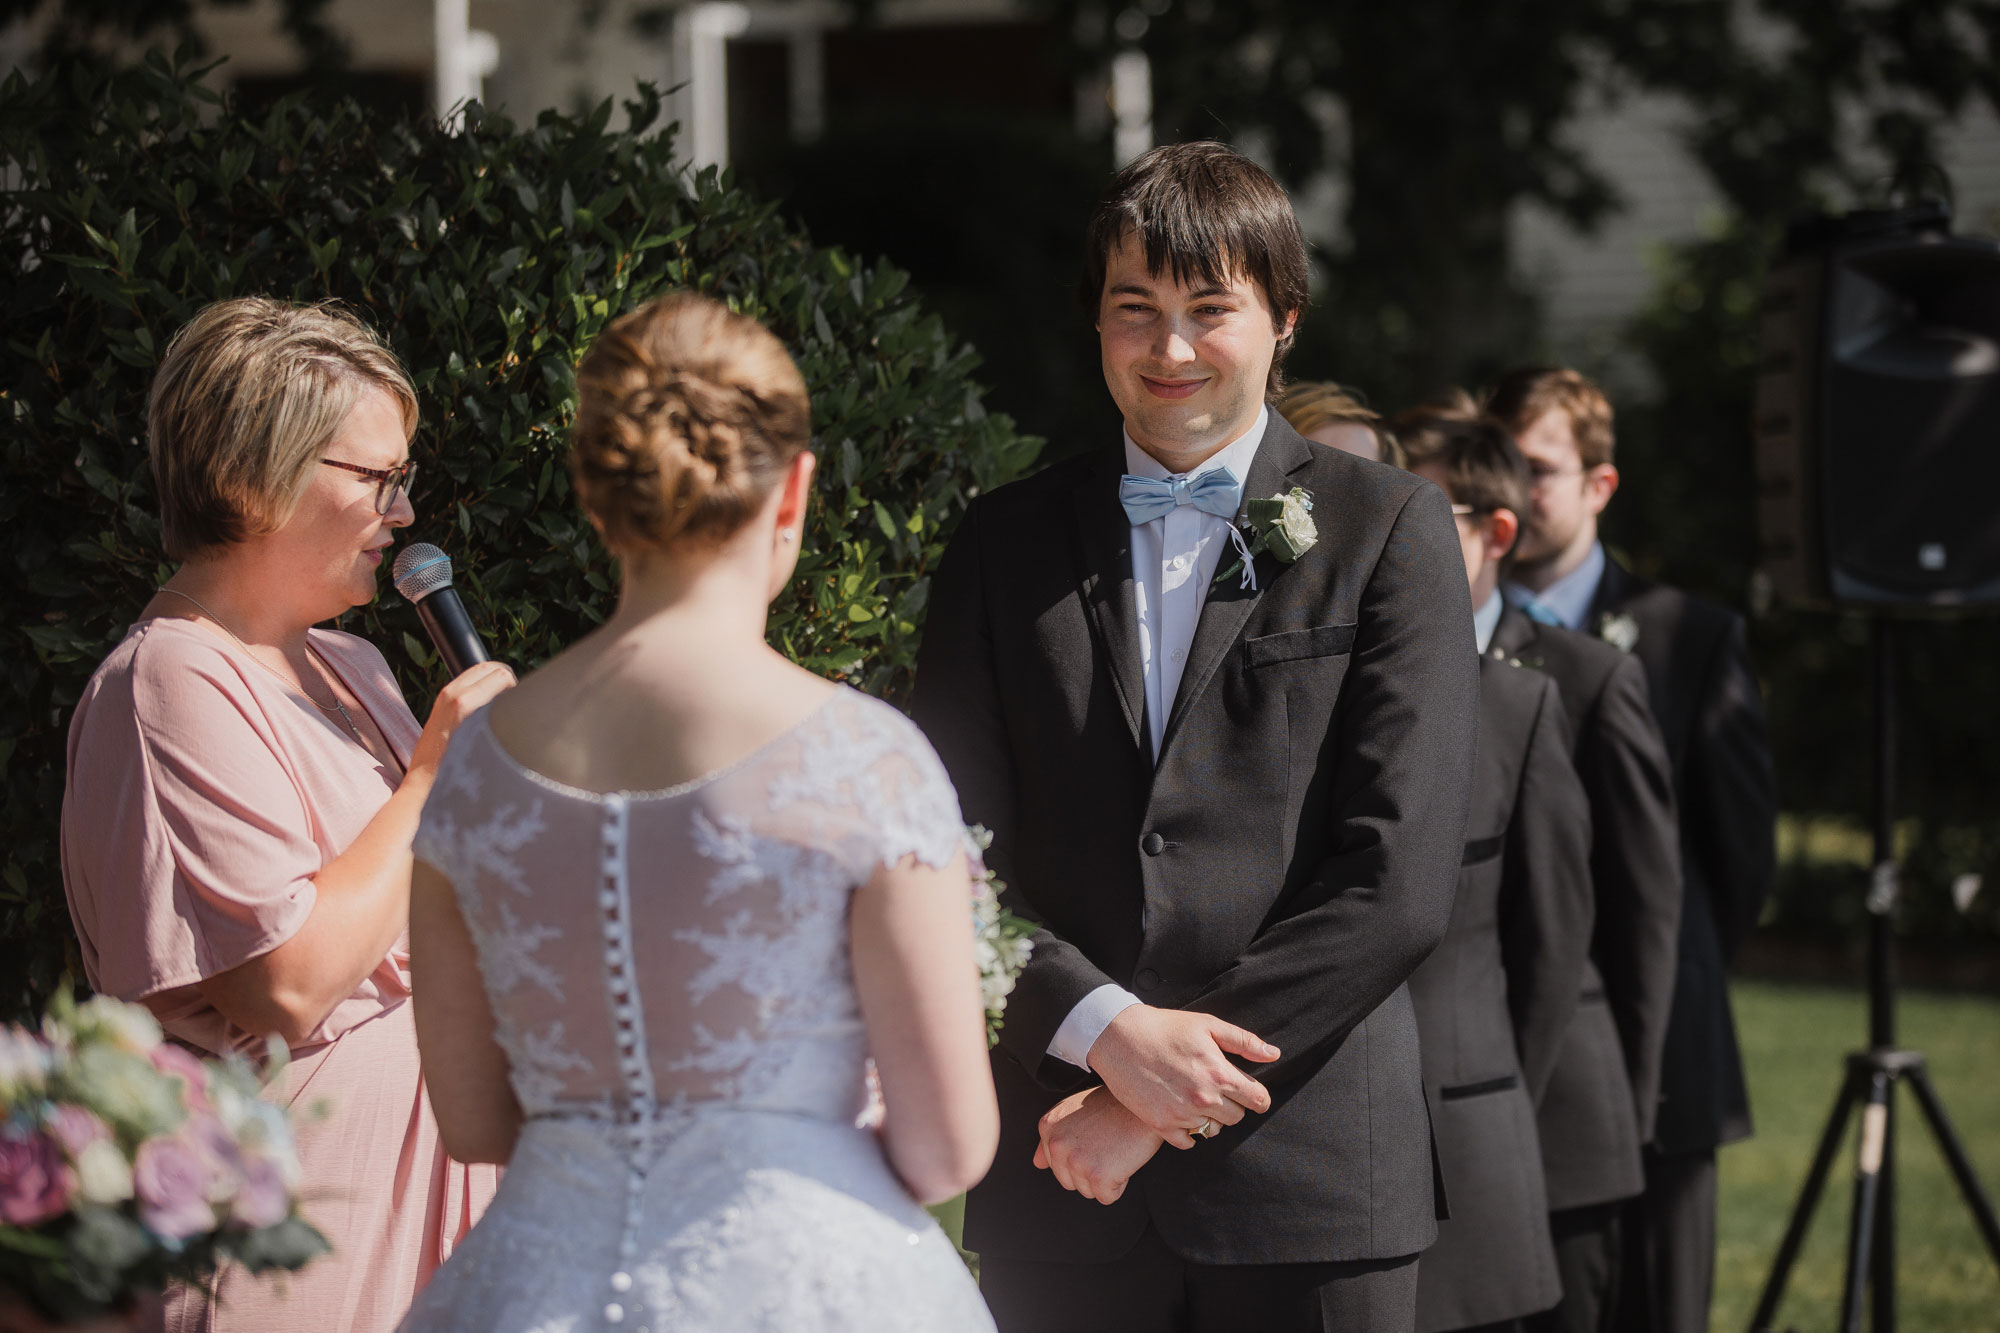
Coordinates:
[1282,525]
[1619,630]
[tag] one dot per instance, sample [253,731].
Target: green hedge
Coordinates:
[489,258]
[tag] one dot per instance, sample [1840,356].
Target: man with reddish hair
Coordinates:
[1706,701]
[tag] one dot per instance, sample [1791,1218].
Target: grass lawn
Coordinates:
[1794,1038]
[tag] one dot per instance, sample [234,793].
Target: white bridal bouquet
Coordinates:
[1002,937]
[127,1162]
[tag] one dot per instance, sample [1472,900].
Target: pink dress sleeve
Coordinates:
[184,828]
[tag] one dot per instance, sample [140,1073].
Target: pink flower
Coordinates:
[34,1184]
[205,1134]
[181,1063]
[75,1128]
[264,1199]
[172,1177]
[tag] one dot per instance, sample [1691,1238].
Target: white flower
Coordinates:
[1296,522]
[1000,939]
[1619,630]
[258,1128]
[1283,525]
[129,1027]
[24,1065]
[102,1174]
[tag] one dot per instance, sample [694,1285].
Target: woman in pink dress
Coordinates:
[243,789]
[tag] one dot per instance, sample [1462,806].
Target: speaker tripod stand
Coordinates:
[1870,1084]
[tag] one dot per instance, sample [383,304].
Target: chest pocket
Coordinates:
[1320,641]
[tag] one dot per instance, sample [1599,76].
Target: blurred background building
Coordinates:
[1601,182]
[756,82]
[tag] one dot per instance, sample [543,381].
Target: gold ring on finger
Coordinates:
[1207,1129]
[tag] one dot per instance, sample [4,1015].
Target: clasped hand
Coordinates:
[1165,1072]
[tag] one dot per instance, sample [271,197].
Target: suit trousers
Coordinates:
[1670,1245]
[1153,1290]
[1590,1257]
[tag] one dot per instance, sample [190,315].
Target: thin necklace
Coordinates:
[337,707]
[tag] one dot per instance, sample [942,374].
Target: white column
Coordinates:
[464,55]
[1131,105]
[806,64]
[16,46]
[701,68]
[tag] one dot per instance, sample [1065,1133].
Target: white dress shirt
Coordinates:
[1487,619]
[1571,595]
[1174,559]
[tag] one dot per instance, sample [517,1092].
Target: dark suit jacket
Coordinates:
[1286,863]
[1697,660]
[1605,1092]
[1494,1002]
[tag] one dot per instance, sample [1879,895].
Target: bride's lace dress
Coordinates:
[669,975]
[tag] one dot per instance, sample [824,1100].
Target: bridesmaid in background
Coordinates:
[1335,415]
[243,789]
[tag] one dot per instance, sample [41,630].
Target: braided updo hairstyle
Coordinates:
[689,413]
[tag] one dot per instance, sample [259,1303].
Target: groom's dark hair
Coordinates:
[1204,210]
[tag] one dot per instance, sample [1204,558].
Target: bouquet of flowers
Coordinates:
[127,1162]
[1002,937]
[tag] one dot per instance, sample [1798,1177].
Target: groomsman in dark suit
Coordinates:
[1495,1002]
[1706,701]
[1228,774]
[1602,1095]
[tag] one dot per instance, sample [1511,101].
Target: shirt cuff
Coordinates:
[1093,1013]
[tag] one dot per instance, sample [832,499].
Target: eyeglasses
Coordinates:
[391,483]
[1547,474]
[1469,511]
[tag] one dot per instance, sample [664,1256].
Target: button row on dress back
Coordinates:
[614,898]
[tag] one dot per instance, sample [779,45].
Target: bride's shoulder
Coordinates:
[883,766]
[853,718]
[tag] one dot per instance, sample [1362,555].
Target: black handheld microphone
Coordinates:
[422,573]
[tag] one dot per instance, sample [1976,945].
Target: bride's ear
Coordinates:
[787,535]
[795,496]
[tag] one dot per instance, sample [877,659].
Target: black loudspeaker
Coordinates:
[1878,414]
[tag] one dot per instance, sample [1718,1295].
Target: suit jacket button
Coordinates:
[1152,844]
[1147,979]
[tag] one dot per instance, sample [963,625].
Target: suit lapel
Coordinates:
[1103,537]
[1514,632]
[1610,595]
[1281,452]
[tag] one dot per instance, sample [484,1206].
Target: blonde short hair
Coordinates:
[687,415]
[1525,396]
[246,398]
[1310,404]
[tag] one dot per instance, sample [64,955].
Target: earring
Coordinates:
[786,535]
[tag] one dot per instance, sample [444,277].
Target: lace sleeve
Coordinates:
[433,845]
[437,837]
[910,805]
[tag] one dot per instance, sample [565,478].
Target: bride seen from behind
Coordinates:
[674,890]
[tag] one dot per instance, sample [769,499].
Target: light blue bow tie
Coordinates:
[1215,491]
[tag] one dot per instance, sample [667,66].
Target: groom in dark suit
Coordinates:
[1226,768]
